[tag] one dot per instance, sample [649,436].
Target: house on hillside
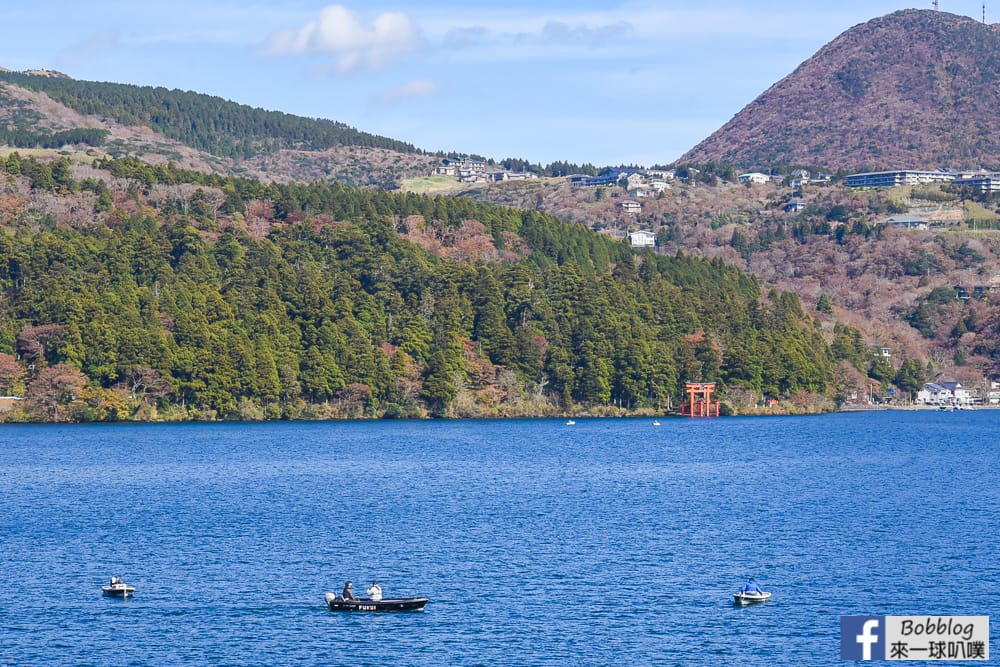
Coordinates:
[754,177]
[642,239]
[630,206]
[795,206]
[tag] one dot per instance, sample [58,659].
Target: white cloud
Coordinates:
[356,47]
[415,88]
[559,31]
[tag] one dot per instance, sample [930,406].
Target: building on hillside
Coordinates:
[980,182]
[477,166]
[642,239]
[795,206]
[891,179]
[630,206]
[905,221]
[597,181]
[754,177]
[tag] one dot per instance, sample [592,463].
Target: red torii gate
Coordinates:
[699,403]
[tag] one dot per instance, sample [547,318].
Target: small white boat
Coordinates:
[656,423]
[750,598]
[570,422]
[118,589]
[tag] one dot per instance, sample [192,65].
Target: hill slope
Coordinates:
[220,137]
[130,289]
[916,88]
[204,122]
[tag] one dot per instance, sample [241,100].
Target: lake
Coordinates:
[538,543]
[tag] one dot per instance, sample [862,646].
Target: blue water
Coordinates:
[608,542]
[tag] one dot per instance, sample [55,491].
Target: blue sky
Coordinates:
[611,82]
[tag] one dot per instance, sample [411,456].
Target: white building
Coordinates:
[754,177]
[642,239]
[944,393]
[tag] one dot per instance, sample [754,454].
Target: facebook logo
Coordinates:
[862,637]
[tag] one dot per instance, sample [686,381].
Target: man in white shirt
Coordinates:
[375,591]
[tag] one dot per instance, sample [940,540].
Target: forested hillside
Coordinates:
[152,292]
[203,122]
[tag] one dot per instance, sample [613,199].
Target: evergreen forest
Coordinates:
[204,122]
[173,294]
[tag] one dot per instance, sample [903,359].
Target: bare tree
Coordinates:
[143,382]
[54,388]
[32,340]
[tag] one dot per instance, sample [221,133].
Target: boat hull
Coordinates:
[750,598]
[118,591]
[337,603]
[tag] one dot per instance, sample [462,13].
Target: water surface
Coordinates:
[610,541]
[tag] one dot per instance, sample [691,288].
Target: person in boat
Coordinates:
[348,593]
[375,591]
[751,587]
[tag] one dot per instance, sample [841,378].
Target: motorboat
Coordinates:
[337,603]
[570,422]
[656,423]
[118,589]
[746,597]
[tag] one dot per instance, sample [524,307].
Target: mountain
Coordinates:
[46,109]
[204,122]
[914,89]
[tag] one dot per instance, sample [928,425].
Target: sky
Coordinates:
[605,82]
